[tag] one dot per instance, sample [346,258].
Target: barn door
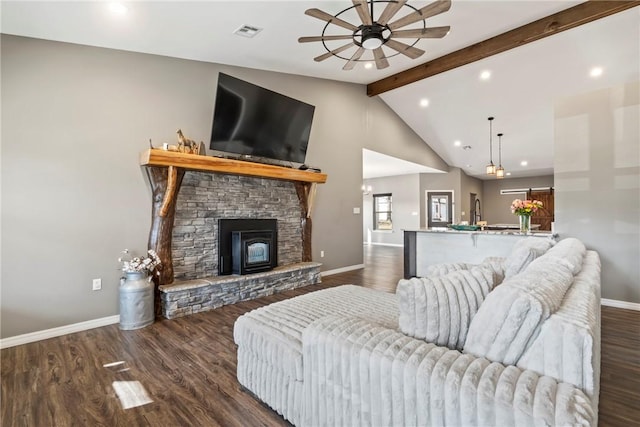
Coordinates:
[545,215]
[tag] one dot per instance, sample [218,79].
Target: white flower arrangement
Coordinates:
[149,263]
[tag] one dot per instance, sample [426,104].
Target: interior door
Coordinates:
[545,215]
[440,208]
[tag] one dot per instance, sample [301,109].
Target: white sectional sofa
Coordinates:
[512,341]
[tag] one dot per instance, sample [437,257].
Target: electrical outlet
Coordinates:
[97,284]
[321,254]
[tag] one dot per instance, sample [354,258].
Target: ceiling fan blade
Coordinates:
[321,38]
[333,52]
[428,11]
[391,9]
[381,61]
[422,33]
[324,16]
[362,7]
[352,62]
[405,49]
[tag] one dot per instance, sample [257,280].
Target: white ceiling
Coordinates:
[378,165]
[520,94]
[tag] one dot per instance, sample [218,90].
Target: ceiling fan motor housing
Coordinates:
[372,37]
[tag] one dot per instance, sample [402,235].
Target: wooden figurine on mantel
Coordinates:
[186,145]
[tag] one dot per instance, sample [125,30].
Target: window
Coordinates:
[382,212]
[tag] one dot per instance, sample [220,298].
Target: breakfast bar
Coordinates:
[428,246]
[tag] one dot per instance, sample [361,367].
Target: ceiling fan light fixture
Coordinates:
[377,30]
[371,38]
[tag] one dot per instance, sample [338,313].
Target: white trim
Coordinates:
[397,245]
[507,191]
[59,331]
[341,270]
[620,304]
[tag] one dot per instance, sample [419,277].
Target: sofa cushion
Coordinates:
[439,309]
[273,334]
[445,268]
[571,250]
[523,253]
[511,316]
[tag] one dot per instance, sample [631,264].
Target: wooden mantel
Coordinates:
[155,157]
[166,169]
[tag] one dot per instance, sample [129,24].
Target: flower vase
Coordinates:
[136,300]
[525,223]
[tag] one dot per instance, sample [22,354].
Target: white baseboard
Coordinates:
[56,332]
[342,270]
[620,304]
[395,245]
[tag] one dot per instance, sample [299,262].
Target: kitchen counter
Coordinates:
[427,246]
[503,231]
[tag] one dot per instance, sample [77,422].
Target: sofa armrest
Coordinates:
[359,373]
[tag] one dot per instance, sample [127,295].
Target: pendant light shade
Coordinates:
[491,168]
[500,169]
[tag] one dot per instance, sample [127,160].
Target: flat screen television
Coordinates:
[249,120]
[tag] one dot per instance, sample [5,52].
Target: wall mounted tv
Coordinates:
[249,120]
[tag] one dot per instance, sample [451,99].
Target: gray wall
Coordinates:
[74,119]
[597,181]
[496,208]
[405,212]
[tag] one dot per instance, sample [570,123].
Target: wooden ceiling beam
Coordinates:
[553,24]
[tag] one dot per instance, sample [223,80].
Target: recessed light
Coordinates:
[596,72]
[485,75]
[457,143]
[468,166]
[118,8]
[368,65]
[424,102]
[524,163]
[508,173]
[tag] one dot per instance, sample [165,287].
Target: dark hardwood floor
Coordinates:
[187,367]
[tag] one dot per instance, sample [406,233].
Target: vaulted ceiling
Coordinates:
[523,85]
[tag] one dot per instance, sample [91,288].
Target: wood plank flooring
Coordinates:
[188,367]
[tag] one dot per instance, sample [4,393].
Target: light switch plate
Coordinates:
[356,211]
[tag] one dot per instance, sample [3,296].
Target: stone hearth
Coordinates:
[194,296]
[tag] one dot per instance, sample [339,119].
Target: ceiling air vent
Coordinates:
[247,31]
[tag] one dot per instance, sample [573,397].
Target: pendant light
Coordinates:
[500,170]
[491,168]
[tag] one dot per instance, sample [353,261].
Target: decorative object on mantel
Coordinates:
[500,170]
[377,32]
[524,209]
[186,145]
[137,290]
[491,168]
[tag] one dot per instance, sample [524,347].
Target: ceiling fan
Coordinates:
[374,33]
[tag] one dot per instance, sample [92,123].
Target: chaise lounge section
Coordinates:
[504,349]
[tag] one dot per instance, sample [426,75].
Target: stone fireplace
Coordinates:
[193,195]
